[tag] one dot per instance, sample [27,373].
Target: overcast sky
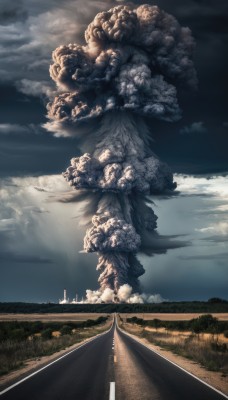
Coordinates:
[40,237]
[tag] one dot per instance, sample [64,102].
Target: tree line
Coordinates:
[203,324]
[21,330]
[214,305]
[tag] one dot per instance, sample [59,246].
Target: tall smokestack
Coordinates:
[131,66]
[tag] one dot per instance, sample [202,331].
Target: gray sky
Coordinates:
[40,238]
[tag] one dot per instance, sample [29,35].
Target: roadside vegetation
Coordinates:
[24,341]
[203,339]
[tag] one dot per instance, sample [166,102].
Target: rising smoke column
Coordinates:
[130,68]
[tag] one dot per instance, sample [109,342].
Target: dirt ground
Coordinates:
[174,317]
[50,317]
[215,379]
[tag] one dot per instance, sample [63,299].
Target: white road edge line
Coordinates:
[112,391]
[53,362]
[171,362]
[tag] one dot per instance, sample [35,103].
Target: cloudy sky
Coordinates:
[40,237]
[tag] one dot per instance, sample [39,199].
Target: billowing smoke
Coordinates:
[131,66]
[123,295]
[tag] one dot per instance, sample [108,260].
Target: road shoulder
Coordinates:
[36,364]
[214,379]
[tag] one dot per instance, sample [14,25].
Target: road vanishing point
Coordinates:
[111,366]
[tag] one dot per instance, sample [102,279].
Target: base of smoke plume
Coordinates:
[123,295]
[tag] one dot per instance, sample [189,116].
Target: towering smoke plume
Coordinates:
[130,67]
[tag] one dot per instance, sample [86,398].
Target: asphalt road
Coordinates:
[152,377]
[86,373]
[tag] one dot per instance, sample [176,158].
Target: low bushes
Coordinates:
[187,338]
[212,355]
[205,323]
[20,341]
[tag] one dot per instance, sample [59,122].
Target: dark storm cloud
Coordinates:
[28,149]
[216,238]
[220,256]
[70,197]
[206,195]
[212,211]
[160,244]
[29,36]
[35,209]
[11,129]
[12,11]
[209,26]
[9,257]
[40,189]
[27,40]
[35,244]
[195,127]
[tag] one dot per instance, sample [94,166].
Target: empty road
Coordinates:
[135,372]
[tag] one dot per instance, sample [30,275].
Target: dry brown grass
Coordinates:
[204,337]
[206,349]
[208,353]
[173,317]
[15,354]
[51,317]
[216,379]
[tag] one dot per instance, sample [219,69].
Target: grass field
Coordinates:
[173,317]
[210,349]
[51,317]
[29,339]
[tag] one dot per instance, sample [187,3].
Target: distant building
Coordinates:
[75,301]
[66,300]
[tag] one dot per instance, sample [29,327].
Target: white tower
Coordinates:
[64,300]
